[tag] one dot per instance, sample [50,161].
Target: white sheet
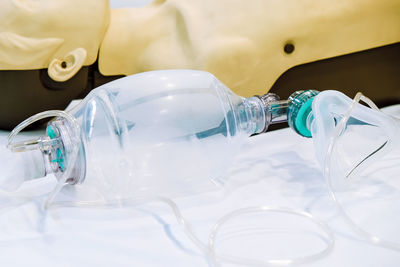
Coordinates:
[275,169]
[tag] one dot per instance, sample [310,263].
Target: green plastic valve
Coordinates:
[299,108]
[59,154]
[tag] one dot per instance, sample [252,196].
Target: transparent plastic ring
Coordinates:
[208,250]
[270,262]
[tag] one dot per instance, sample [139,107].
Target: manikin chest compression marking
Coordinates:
[146,119]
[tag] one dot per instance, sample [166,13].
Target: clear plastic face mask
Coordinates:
[73,148]
[361,164]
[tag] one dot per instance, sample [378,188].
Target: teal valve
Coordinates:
[59,159]
[299,109]
[50,132]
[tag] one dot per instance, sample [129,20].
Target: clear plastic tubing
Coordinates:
[209,251]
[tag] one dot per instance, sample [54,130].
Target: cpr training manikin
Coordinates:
[245,49]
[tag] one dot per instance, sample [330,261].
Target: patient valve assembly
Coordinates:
[168,131]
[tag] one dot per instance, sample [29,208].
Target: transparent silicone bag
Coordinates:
[154,136]
[150,134]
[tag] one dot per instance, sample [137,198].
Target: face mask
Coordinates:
[359,151]
[151,137]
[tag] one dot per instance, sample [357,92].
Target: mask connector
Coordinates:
[275,109]
[295,110]
[299,111]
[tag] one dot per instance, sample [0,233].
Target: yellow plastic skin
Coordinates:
[61,35]
[242,42]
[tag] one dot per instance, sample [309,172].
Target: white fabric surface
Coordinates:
[274,169]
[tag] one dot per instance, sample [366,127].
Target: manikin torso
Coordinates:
[241,42]
[247,45]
